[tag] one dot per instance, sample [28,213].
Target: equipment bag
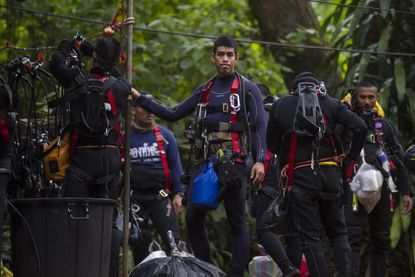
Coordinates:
[278,217]
[93,110]
[206,188]
[56,157]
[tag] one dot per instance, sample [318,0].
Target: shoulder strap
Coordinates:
[159,139]
[235,107]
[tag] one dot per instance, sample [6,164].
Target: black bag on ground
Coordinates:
[179,264]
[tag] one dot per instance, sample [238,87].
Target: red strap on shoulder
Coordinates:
[159,139]
[114,110]
[234,117]
[291,159]
[204,94]
[4,131]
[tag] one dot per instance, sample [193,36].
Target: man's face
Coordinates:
[367,97]
[225,59]
[142,117]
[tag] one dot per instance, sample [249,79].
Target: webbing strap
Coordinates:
[114,110]
[234,117]
[4,131]
[268,155]
[113,104]
[291,159]
[204,94]
[159,139]
[204,98]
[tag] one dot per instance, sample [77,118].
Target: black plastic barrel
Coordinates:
[63,237]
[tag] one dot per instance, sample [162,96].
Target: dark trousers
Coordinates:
[318,201]
[234,201]
[286,260]
[379,221]
[162,215]
[96,173]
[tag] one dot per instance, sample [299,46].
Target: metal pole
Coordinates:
[127,165]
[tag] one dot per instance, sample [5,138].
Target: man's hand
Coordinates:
[177,203]
[135,94]
[258,174]
[129,20]
[407,204]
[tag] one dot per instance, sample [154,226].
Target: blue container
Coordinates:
[206,188]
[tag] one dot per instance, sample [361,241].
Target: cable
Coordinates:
[30,233]
[194,35]
[362,7]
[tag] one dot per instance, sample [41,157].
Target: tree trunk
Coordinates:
[277,19]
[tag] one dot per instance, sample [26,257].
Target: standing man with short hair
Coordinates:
[381,136]
[227,106]
[155,180]
[310,156]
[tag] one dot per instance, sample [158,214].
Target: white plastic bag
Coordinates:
[155,252]
[367,184]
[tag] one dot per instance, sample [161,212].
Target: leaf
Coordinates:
[186,63]
[395,232]
[364,61]
[400,79]
[384,39]
[384,5]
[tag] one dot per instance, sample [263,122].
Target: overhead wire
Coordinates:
[362,7]
[204,36]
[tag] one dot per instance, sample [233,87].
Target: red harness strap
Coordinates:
[268,155]
[114,109]
[291,159]
[204,94]
[160,141]
[234,117]
[4,131]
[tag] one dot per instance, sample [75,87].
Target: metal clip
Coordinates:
[201,111]
[235,102]
[163,193]
[225,107]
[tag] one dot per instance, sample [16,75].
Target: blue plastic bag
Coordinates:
[206,188]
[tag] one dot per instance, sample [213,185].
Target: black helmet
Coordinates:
[409,159]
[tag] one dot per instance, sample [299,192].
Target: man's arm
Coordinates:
[273,135]
[393,149]
[257,112]
[356,125]
[175,167]
[167,113]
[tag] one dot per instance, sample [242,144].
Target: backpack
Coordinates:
[308,119]
[94,112]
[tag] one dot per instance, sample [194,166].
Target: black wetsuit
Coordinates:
[316,191]
[234,200]
[380,218]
